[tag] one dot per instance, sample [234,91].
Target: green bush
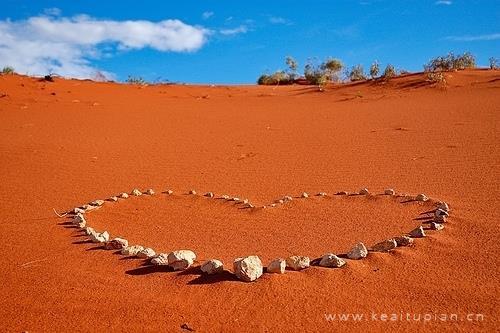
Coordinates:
[7,70]
[451,62]
[277,78]
[331,68]
[357,73]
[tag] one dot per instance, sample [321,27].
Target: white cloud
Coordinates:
[44,44]
[278,20]
[207,15]
[234,31]
[443,2]
[474,38]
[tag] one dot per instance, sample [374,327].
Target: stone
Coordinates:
[321,194]
[249,205]
[248,269]
[436,226]
[236,199]
[444,206]
[384,246]
[136,192]
[440,212]
[123,195]
[389,191]
[98,203]
[417,232]
[364,191]
[209,195]
[212,266]
[272,205]
[225,197]
[89,231]
[331,260]
[78,210]
[114,199]
[97,237]
[160,259]
[280,201]
[297,262]
[150,191]
[359,251]
[169,192]
[421,197]
[89,208]
[304,195]
[116,244]
[245,201]
[181,260]
[78,220]
[404,240]
[192,192]
[342,193]
[277,266]
[440,219]
[287,198]
[146,253]
[132,250]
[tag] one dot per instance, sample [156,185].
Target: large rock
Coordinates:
[116,244]
[277,266]
[359,251]
[160,259]
[97,237]
[297,262]
[331,260]
[132,250]
[181,260]
[404,240]
[146,253]
[384,246]
[212,266]
[417,232]
[421,197]
[248,269]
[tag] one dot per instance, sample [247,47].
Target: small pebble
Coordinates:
[417,232]
[209,195]
[421,197]
[389,191]
[436,226]
[364,191]
[136,192]
[305,195]
[150,191]
[123,195]
[193,192]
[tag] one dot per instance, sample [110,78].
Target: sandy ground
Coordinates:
[69,142]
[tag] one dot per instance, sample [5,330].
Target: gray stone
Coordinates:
[364,191]
[132,250]
[116,244]
[248,269]
[359,251]
[404,240]
[212,266]
[389,191]
[146,253]
[417,232]
[421,197]
[160,259]
[384,246]
[277,266]
[331,260]
[97,237]
[297,263]
[436,226]
[181,260]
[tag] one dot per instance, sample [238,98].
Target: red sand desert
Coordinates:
[68,142]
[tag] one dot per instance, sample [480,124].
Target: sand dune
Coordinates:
[70,142]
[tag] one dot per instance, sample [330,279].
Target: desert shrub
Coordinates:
[404,72]
[315,75]
[374,69]
[7,70]
[493,63]
[389,72]
[331,68]
[451,62]
[357,73]
[277,78]
[136,80]
[436,77]
[292,67]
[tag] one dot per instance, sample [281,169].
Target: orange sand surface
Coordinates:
[68,142]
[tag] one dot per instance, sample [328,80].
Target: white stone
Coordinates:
[212,266]
[444,206]
[384,246]
[97,237]
[89,208]
[97,203]
[192,192]
[78,210]
[248,269]
[277,266]
[280,201]
[404,240]
[160,259]
[440,212]
[322,194]
[146,253]
[136,192]
[364,191]
[342,193]
[114,199]
[209,195]
[89,231]
[359,251]
[297,262]
[116,244]
[123,195]
[331,260]
[225,197]
[79,220]
[132,250]
[389,191]
[417,232]
[305,195]
[436,226]
[245,201]
[169,192]
[287,198]
[421,197]
[150,191]
[181,260]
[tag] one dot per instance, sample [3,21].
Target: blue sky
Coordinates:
[224,41]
